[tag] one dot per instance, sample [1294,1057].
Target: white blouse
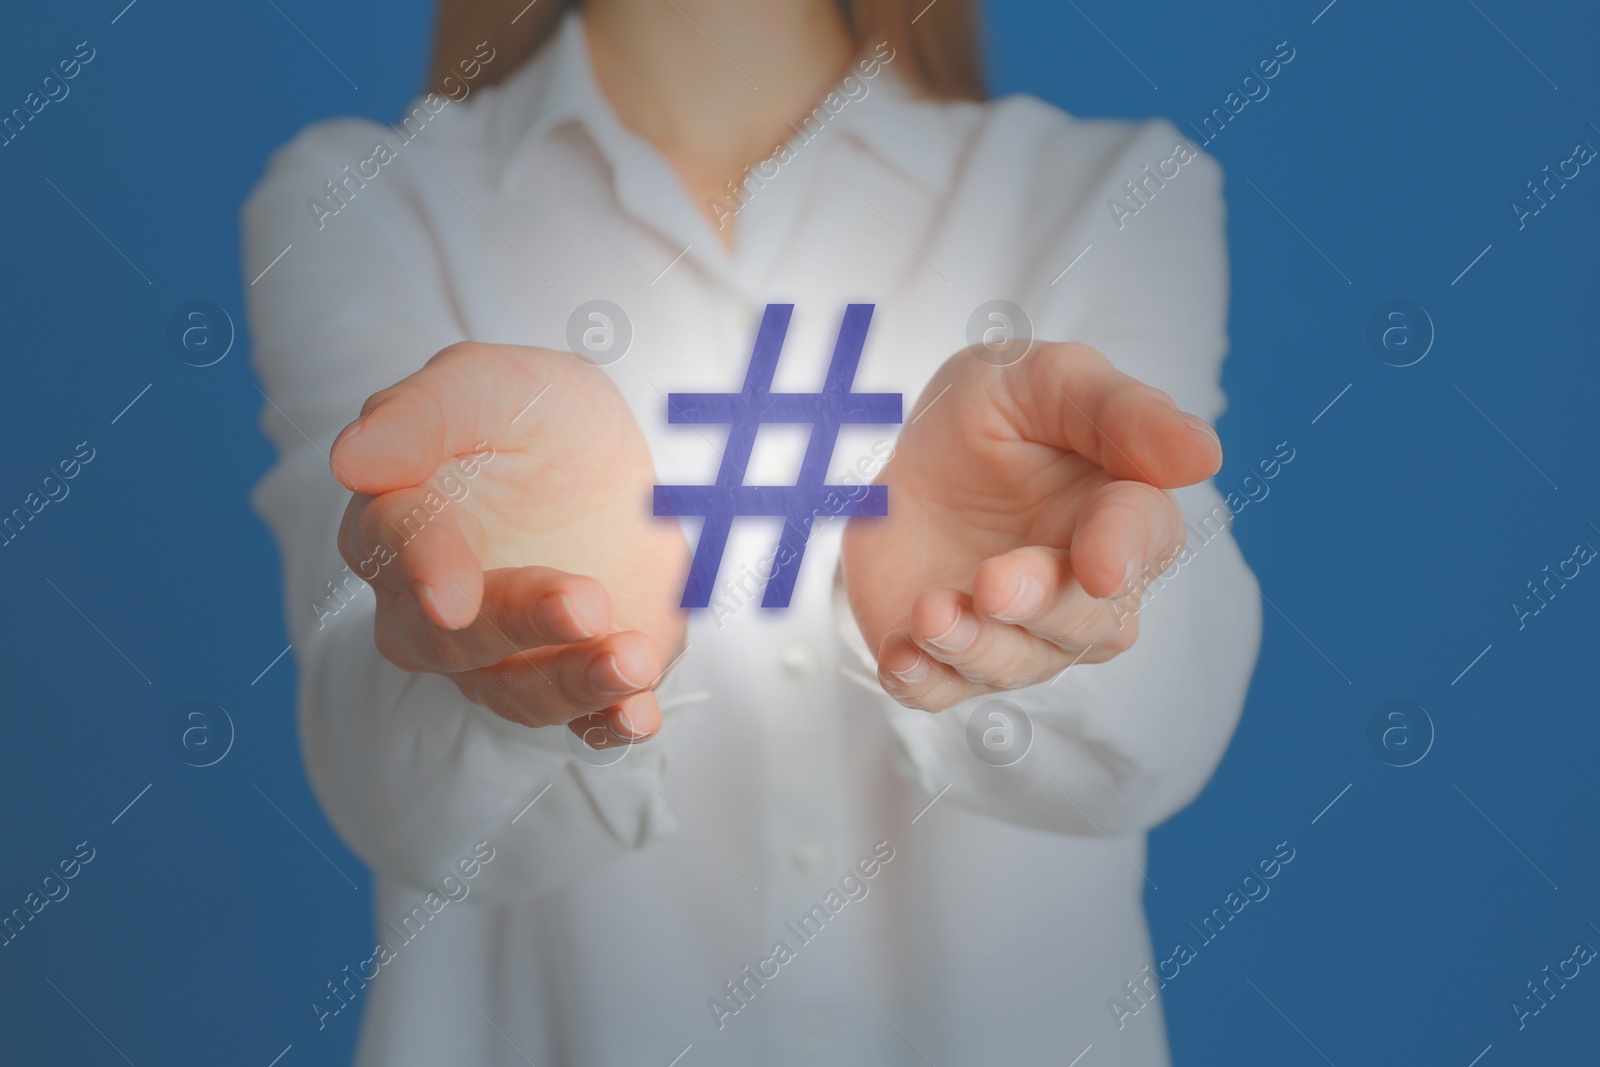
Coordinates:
[536,906]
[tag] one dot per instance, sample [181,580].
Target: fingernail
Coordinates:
[1130,575]
[348,432]
[959,636]
[572,613]
[430,604]
[607,667]
[622,728]
[1028,599]
[1195,422]
[597,736]
[557,615]
[914,674]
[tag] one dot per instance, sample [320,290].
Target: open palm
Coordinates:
[1024,502]
[545,588]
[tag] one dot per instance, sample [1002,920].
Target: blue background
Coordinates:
[1391,548]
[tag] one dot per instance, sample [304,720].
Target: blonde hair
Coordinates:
[936,44]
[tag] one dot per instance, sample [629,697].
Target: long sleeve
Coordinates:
[409,772]
[1119,746]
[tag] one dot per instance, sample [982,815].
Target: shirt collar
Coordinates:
[555,87]
[908,132]
[911,134]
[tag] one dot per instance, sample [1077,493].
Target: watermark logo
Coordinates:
[1400,733]
[200,733]
[599,332]
[1000,333]
[595,757]
[1400,333]
[200,333]
[999,733]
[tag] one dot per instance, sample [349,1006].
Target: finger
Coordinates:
[636,719]
[1034,588]
[1071,397]
[917,680]
[405,541]
[554,685]
[945,625]
[530,607]
[523,608]
[1124,529]
[464,397]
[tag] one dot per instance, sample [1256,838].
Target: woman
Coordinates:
[786,836]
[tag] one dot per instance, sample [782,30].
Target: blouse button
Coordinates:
[799,662]
[809,857]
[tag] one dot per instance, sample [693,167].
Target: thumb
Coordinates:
[1072,398]
[397,442]
[467,397]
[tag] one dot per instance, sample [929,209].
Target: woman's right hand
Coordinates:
[532,575]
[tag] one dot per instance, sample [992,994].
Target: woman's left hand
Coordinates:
[1027,504]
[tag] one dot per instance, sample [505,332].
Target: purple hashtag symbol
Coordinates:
[746,411]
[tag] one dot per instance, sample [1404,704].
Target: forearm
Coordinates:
[408,771]
[411,774]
